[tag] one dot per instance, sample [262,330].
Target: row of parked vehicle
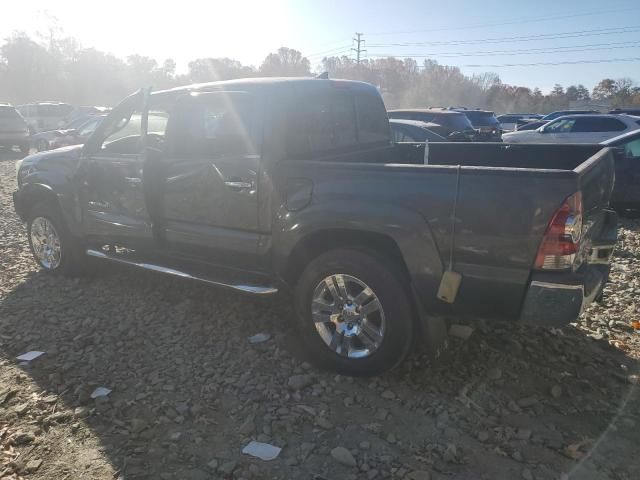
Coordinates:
[47,125]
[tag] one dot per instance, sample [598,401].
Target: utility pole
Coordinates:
[359,50]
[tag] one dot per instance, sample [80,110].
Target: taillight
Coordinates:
[561,241]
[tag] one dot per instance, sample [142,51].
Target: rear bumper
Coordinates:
[555,299]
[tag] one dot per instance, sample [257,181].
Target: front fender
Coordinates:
[33,192]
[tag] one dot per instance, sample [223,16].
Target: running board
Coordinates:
[249,289]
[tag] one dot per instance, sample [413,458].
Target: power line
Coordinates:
[532,51]
[521,38]
[337,49]
[508,22]
[575,62]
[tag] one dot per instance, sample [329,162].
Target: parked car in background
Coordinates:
[13,129]
[76,134]
[577,129]
[510,121]
[413,131]
[626,192]
[627,111]
[44,116]
[562,113]
[484,122]
[257,185]
[454,126]
[83,112]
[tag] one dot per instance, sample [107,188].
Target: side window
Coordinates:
[613,125]
[632,149]
[212,126]
[373,126]
[321,123]
[598,124]
[560,126]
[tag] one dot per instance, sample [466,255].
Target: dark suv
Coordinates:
[13,128]
[454,126]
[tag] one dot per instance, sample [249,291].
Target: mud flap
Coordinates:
[433,336]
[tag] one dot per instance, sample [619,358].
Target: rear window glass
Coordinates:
[482,119]
[8,112]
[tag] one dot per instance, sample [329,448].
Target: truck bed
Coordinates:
[506,198]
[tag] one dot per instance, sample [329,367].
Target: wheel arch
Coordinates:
[31,194]
[320,241]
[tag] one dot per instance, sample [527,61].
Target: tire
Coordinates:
[364,354]
[45,220]
[24,148]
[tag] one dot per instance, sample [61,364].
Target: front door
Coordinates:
[111,177]
[210,175]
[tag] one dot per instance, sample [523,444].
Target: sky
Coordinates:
[477,36]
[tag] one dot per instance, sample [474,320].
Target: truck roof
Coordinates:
[270,82]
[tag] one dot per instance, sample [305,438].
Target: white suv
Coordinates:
[44,116]
[577,129]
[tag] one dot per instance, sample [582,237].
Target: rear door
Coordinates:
[209,184]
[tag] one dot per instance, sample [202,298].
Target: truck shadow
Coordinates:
[189,388]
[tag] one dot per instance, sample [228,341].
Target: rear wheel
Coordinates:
[52,245]
[355,315]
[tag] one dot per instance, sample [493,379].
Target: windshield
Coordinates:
[482,119]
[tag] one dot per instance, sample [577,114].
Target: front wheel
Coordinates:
[355,315]
[52,245]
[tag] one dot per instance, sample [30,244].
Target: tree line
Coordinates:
[62,69]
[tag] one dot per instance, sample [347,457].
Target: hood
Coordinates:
[63,156]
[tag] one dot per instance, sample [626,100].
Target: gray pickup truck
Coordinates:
[267,185]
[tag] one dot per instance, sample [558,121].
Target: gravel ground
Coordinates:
[189,391]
